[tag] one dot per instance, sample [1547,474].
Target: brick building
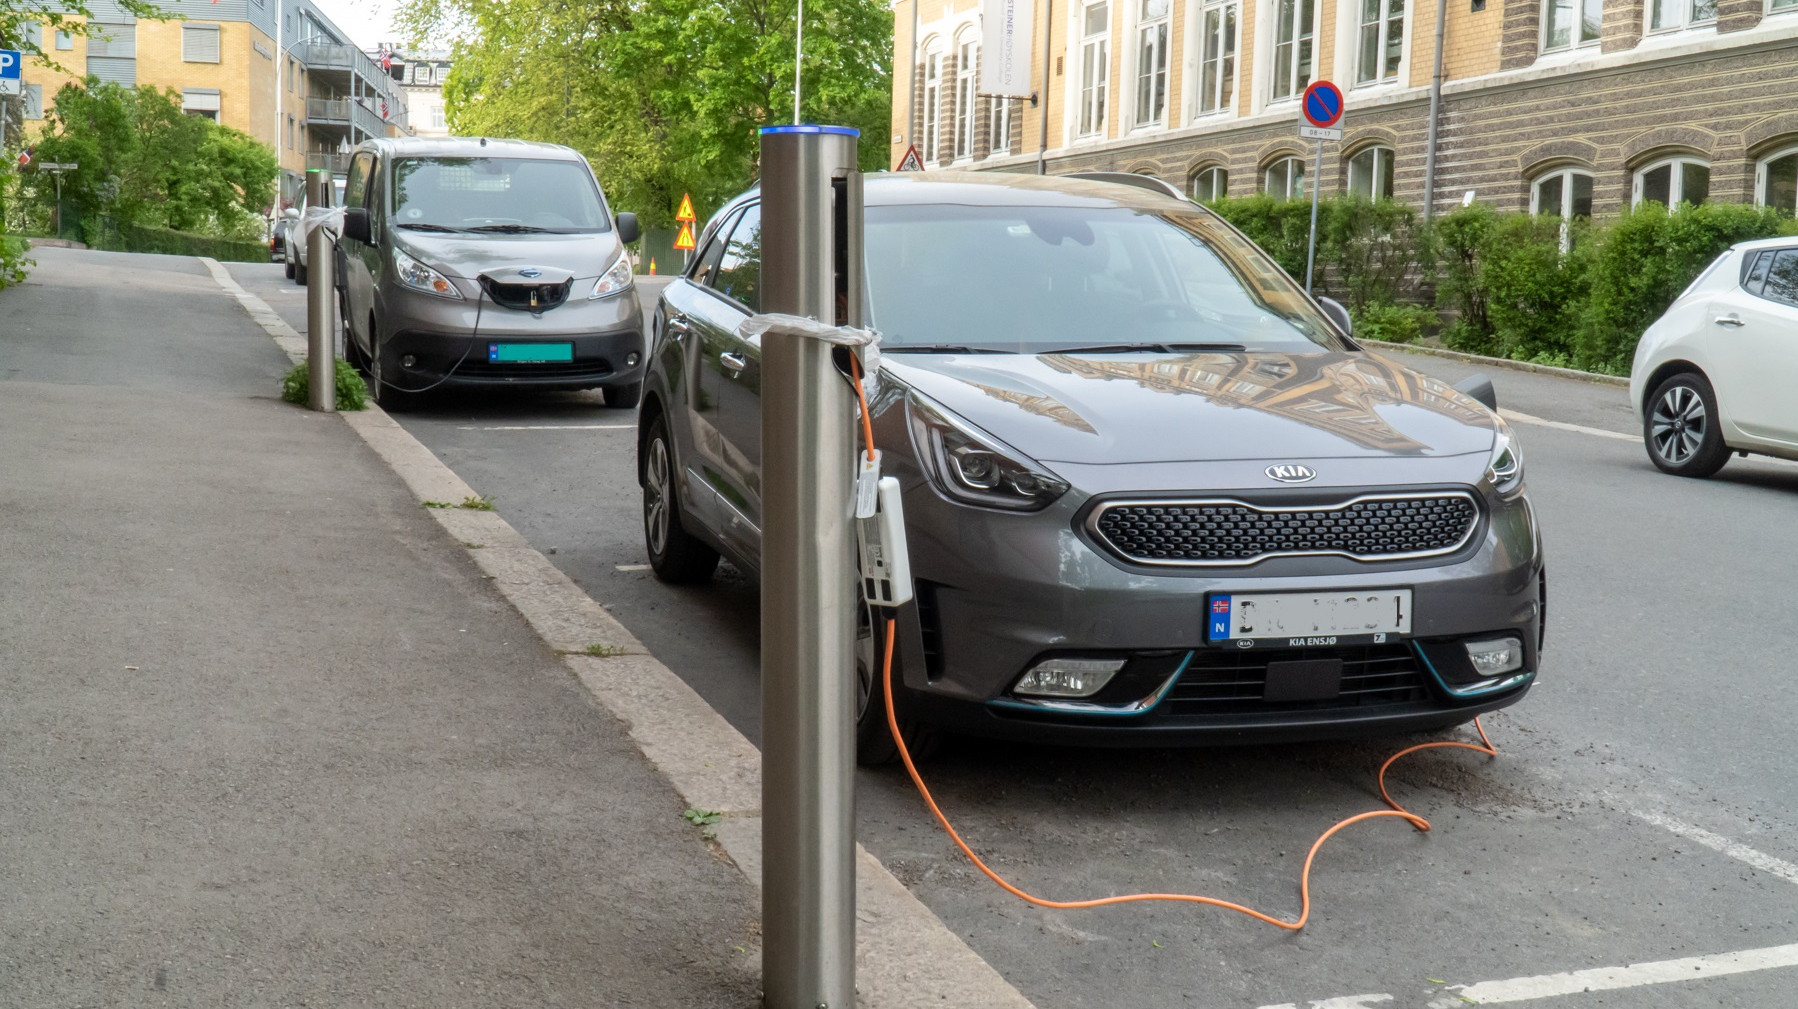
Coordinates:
[321,98]
[1565,106]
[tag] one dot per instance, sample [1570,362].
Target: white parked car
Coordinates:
[1718,372]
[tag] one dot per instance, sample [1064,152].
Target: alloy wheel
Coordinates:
[1678,425]
[656,497]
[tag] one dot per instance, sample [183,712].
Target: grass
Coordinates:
[352,391]
[484,503]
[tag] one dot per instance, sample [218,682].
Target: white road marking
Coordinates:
[1524,418]
[551,427]
[631,567]
[1341,1002]
[1690,968]
[1716,842]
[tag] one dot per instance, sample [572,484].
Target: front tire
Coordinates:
[299,274]
[1682,430]
[874,746]
[675,555]
[386,396]
[623,396]
[287,263]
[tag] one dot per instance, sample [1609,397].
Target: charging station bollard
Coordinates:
[811,267]
[321,344]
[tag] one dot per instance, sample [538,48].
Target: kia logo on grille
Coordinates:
[530,271]
[1291,473]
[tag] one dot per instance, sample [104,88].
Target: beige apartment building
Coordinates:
[321,97]
[1563,106]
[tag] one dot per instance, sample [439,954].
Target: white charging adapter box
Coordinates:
[886,566]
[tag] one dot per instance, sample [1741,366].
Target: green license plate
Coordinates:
[529,353]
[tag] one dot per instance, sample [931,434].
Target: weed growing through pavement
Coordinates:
[437,504]
[352,392]
[604,651]
[703,818]
[484,503]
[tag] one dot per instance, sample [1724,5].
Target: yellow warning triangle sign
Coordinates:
[686,209]
[684,240]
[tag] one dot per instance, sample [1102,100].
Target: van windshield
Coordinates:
[502,195]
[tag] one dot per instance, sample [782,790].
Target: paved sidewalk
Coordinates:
[268,737]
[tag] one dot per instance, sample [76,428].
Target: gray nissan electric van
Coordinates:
[479,262]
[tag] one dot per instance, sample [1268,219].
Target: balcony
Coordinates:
[331,110]
[328,161]
[329,56]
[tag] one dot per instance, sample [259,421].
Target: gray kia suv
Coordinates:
[1154,492]
[486,262]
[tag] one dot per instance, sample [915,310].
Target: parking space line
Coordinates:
[1690,968]
[1524,418]
[1716,842]
[550,427]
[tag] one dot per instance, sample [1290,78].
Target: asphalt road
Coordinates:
[1641,809]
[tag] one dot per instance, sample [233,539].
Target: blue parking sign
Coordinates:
[10,63]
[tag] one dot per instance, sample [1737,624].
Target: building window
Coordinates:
[1782,5]
[34,100]
[1000,140]
[65,40]
[201,102]
[1382,41]
[1779,181]
[1095,66]
[1217,67]
[1151,62]
[1370,174]
[1285,179]
[1673,182]
[933,106]
[1569,23]
[967,56]
[1664,15]
[1210,184]
[438,121]
[1566,194]
[199,43]
[1294,28]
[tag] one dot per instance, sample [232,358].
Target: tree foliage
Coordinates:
[145,162]
[664,97]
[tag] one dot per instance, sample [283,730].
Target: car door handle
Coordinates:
[678,325]
[733,363]
[1732,320]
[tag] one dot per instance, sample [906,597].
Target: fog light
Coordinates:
[1068,677]
[408,361]
[1496,656]
[630,359]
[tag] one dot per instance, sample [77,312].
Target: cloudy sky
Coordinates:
[366,21]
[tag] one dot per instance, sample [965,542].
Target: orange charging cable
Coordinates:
[886,681]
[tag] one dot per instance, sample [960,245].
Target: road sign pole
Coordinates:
[321,345]
[811,202]
[1311,251]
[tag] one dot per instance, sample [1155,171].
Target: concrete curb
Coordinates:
[1500,362]
[906,958]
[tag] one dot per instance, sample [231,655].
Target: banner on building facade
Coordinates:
[1005,28]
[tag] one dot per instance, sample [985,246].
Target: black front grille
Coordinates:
[1220,682]
[596,368]
[930,626]
[526,297]
[1232,532]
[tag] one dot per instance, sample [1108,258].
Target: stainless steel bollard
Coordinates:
[321,307]
[811,226]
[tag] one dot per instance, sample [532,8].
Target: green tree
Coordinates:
[143,161]
[664,97]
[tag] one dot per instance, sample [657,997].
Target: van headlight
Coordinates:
[1504,471]
[616,279]
[420,277]
[974,467]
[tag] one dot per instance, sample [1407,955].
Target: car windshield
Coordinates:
[1034,280]
[496,195]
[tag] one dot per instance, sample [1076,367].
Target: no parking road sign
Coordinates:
[10,65]
[1322,105]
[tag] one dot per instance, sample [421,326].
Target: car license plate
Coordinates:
[1307,619]
[529,353]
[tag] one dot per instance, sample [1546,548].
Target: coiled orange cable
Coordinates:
[886,680]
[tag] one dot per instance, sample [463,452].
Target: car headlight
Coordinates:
[974,467]
[1504,471]
[420,277]
[616,279]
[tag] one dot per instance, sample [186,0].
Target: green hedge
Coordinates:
[105,233]
[1510,285]
[13,260]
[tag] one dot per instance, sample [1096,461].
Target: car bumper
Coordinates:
[997,593]
[451,343]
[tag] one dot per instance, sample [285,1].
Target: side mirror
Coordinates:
[291,213]
[355,225]
[1478,386]
[628,231]
[1337,314]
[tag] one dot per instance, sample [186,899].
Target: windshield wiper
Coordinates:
[1151,348]
[429,227]
[510,229]
[940,348]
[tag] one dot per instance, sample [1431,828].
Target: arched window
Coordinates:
[1285,179]
[1566,194]
[1370,173]
[1211,183]
[1673,182]
[1777,182]
[967,58]
[933,107]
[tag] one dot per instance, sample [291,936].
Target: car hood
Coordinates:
[1146,408]
[468,256]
